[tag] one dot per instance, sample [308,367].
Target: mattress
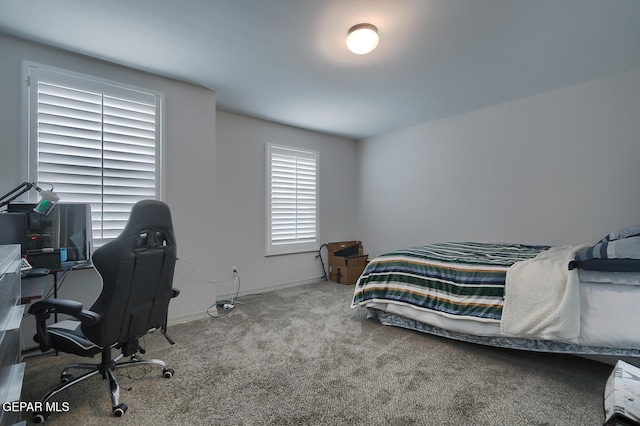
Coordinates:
[459,288]
[462,280]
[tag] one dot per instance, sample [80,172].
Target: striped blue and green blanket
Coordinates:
[461,279]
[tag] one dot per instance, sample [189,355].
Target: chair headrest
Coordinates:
[149,214]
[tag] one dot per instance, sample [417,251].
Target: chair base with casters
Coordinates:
[106,369]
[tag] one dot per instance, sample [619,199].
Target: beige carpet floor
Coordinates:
[302,356]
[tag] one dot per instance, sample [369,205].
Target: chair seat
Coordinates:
[67,337]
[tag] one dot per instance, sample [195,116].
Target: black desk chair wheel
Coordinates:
[137,275]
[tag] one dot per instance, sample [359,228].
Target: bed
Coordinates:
[579,299]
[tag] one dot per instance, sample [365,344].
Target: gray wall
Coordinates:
[214,182]
[556,168]
[241,202]
[189,142]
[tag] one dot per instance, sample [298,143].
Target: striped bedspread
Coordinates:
[461,280]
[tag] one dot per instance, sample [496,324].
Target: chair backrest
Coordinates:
[137,275]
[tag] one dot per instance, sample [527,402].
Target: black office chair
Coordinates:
[137,274]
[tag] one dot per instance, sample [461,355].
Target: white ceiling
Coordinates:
[286,60]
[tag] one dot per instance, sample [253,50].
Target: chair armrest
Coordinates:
[174,292]
[44,308]
[58,305]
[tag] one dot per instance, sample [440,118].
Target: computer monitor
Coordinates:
[67,227]
[13,230]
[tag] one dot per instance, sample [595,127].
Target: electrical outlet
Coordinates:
[234,271]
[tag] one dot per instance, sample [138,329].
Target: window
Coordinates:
[95,141]
[292,200]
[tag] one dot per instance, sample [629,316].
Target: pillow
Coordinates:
[606,265]
[629,231]
[622,255]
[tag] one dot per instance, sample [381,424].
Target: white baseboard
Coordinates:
[269,288]
[179,319]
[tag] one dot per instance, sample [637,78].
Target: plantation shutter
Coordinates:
[97,143]
[292,196]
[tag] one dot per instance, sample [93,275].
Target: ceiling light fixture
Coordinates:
[362,38]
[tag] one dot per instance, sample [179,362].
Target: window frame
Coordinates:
[291,247]
[31,72]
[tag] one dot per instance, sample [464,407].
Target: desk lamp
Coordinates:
[44,207]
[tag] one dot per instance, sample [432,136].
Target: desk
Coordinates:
[32,288]
[65,268]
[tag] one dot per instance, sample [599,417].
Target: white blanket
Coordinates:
[542,297]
